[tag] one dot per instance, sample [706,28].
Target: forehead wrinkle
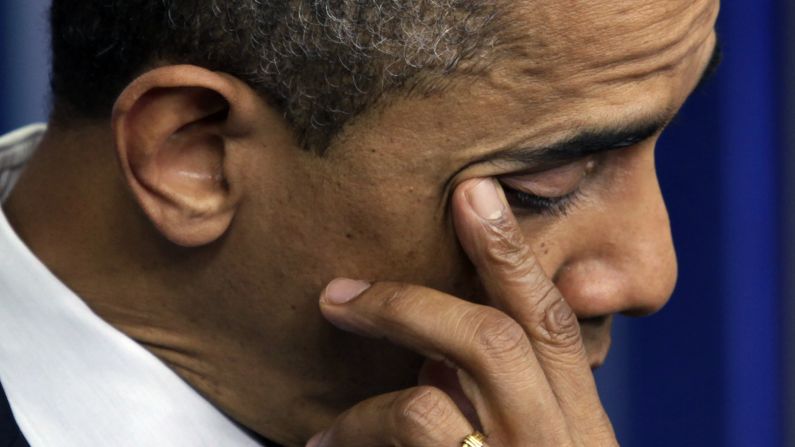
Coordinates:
[663,22]
[558,40]
[664,55]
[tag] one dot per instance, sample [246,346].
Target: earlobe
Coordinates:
[172,129]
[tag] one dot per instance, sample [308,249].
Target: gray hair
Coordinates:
[322,62]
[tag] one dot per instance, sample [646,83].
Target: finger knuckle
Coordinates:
[545,298]
[559,327]
[544,290]
[420,411]
[499,338]
[509,252]
[507,247]
[396,299]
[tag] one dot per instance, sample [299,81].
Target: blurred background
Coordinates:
[717,365]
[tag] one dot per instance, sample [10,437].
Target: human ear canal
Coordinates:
[172,145]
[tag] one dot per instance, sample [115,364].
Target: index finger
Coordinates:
[517,284]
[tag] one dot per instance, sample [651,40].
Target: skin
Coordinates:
[209,237]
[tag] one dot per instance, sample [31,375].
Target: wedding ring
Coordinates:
[476,439]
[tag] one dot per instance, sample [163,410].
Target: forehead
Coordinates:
[595,33]
[569,44]
[559,66]
[604,39]
[578,53]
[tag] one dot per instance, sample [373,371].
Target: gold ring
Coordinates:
[476,439]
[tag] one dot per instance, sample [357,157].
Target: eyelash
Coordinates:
[540,205]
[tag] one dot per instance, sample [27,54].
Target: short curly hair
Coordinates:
[322,62]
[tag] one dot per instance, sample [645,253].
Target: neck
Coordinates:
[55,205]
[73,211]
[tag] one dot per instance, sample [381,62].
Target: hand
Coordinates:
[521,364]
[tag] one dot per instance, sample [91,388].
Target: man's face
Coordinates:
[566,117]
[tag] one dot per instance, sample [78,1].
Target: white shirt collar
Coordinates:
[70,377]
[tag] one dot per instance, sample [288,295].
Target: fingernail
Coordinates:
[342,290]
[485,200]
[315,441]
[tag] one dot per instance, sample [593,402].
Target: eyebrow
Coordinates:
[592,141]
[583,144]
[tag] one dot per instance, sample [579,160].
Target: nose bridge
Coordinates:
[629,264]
[649,268]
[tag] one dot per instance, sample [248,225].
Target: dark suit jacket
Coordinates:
[10,436]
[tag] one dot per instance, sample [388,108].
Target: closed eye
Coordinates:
[551,191]
[534,204]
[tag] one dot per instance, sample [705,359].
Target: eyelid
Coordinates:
[554,182]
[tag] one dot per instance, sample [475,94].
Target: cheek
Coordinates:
[403,236]
[359,230]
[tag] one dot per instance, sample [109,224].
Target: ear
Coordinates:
[175,128]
